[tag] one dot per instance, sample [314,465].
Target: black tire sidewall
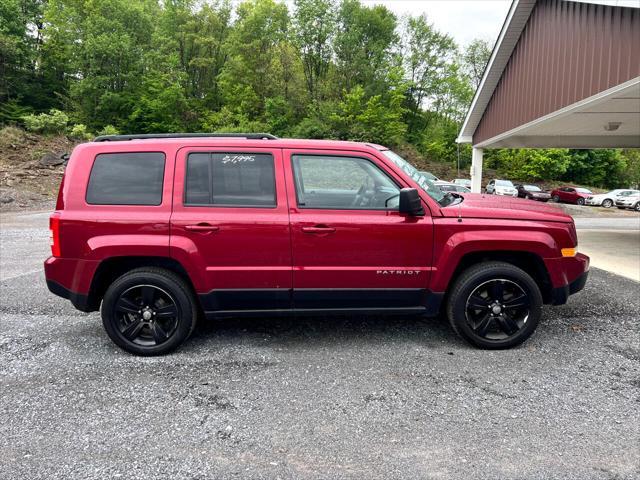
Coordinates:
[555,198]
[580,201]
[475,276]
[607,203]
[173,286]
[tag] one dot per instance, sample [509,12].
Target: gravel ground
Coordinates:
[357,397]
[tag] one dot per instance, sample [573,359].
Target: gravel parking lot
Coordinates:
[357,397]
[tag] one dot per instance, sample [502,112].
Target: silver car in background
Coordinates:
[630,200]
[608,200]
[465,182]
[502,187]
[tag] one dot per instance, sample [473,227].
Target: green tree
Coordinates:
[252,72]
[363,45]
[314,24]
[428,59]
[475,58]
[600,168]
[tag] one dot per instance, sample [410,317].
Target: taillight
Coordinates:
[54,226]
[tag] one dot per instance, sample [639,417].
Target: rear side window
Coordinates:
[126,179]
[230,179]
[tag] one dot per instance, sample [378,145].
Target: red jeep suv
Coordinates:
[157,231]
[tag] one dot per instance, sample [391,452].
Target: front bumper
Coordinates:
[568,276]
[560,295]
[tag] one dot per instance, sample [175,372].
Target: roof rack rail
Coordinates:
[248,136]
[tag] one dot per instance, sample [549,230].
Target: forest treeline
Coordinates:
[306,68]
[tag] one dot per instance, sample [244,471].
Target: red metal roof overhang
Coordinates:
[562,74]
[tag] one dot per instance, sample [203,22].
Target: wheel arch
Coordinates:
[110,269]
[530,262]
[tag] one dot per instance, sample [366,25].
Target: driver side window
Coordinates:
[342,183]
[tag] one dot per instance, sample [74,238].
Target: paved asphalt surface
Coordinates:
[356,397]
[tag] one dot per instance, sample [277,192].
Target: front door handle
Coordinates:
[202,227]
[318,229]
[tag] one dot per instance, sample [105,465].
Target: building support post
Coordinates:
[476,170]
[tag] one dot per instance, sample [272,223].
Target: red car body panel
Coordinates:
[292,250]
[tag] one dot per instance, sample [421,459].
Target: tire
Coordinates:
[499,332]
[159,329]
[636,207]
[580,201]
[607,203]
[556,198]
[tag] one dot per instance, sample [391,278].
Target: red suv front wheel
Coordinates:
[494,305]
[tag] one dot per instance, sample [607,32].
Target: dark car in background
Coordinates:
[575,195]
[532,192]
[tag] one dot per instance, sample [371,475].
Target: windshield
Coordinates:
[424,183]
[626,193]
[504,183]
[532,188]
[583,190]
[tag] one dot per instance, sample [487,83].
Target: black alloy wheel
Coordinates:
[497,309]
[149,311]
[494,305]
[146,315]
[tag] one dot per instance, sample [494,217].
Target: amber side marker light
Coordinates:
[569,252]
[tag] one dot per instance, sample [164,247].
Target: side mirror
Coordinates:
[410,202]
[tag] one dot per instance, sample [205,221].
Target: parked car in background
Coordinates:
[532,192]
[629,200]
[608,199]
[429,176]
[502,187]
[575,195]
[451,187]
[465,182]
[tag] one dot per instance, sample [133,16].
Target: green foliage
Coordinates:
[304,68]
[600,168]
[109,130]
[374,119]
[475,59]
[48,123]
[632,173]
[530,164]
[80,132]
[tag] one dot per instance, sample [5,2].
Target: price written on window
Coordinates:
[232,159]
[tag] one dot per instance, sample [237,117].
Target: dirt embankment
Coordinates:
[31,167]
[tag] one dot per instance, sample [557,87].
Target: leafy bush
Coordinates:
[109,130]
[49,123]
[79,132]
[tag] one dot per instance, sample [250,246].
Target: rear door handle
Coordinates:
[202,227]
[318,229]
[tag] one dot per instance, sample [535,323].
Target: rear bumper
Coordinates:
[80,301]
[71,279]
